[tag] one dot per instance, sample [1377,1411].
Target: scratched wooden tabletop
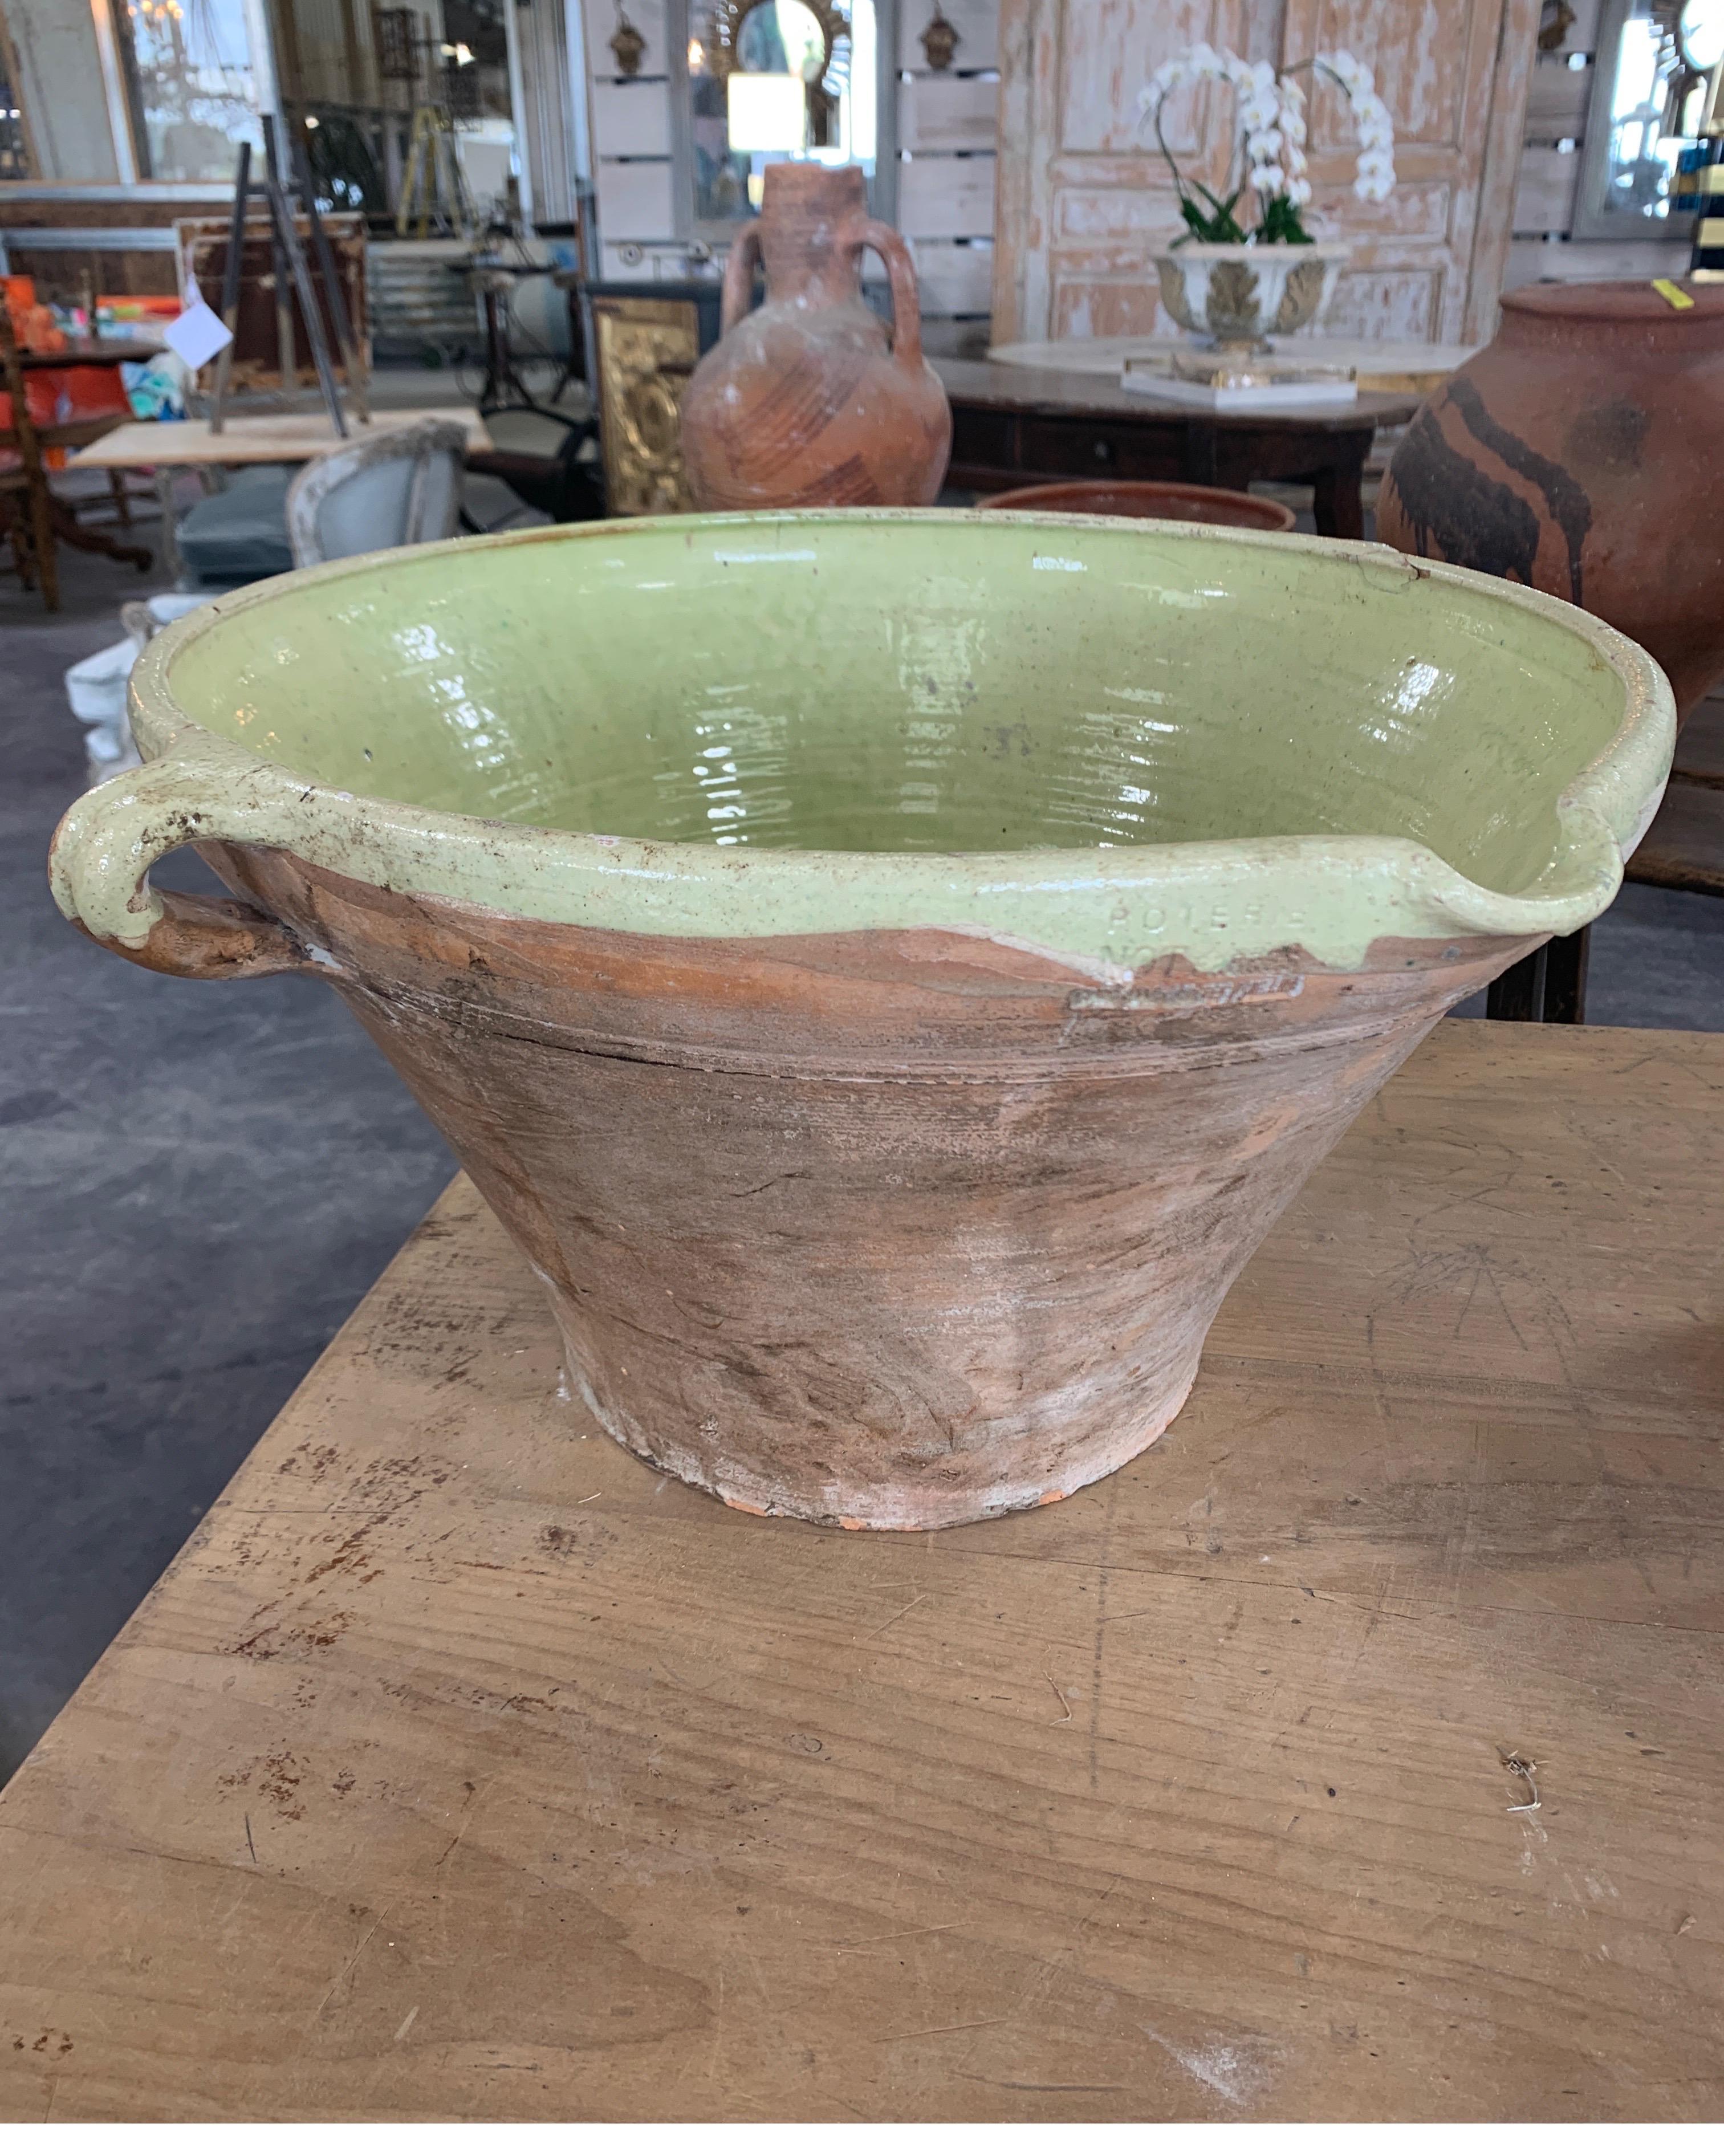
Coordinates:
[462,1767]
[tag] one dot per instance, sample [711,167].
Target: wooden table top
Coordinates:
[72,435]
[109,351]
[1071,392]
[461,1767]
[255,438]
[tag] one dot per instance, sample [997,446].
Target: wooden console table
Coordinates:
[1012,425]
[1357,1753]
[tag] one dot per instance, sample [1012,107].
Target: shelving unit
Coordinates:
[943,183]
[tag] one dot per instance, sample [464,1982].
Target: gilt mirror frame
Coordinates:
[688,20]
[727,17]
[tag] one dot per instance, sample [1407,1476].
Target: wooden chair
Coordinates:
[35,518]
[24,496]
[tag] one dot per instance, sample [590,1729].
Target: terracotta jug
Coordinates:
[806,403]
[1583,451]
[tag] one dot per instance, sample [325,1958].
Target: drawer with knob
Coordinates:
[1093,448]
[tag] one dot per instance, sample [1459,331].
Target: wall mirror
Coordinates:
[1648,90]
[190,83]
[766,80]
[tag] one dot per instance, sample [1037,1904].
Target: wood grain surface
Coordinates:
[254,438]
[461,1766]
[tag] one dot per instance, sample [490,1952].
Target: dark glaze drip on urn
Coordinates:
[1582,452]
[1564,496]
[1445,497]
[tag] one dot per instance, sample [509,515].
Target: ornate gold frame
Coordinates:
[727,19]
[647,351]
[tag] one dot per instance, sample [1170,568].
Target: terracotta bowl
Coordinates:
[1168,499]
[887,970]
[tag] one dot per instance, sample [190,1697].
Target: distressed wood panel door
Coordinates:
[1428,263]
[1081,202]
[1079,197]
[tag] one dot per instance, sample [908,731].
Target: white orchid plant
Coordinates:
[1270,116]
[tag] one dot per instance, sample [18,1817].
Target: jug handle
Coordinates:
[888,242]
[738,295]
[99,866]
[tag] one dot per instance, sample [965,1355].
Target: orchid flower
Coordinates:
[1271,116]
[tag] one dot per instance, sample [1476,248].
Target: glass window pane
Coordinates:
[193,89]
[1648,99]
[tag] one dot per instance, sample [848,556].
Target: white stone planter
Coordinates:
[1243,294]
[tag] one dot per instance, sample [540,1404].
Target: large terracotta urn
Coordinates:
[807,401]
[887,972]
[1583,452]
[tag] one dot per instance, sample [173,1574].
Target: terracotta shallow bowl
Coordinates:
[886,969]
[1168,499]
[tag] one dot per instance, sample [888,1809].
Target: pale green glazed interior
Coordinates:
[848,688]
[952,709]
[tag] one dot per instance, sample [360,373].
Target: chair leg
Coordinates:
[122,499]
[89,541]
[1565,978]
[18,537]
[1519,993]
[1549,987]
[46,567]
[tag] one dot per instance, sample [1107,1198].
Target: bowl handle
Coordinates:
[99,868]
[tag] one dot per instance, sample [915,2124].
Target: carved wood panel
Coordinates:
[1453,74]
[1081,202]
[1425,54]
[1069,74]
[1110,48]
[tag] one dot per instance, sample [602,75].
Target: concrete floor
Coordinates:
[199,1182]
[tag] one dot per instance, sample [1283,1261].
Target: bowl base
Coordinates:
[883,1507]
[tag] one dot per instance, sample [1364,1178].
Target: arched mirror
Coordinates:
[777,37]
[773,80]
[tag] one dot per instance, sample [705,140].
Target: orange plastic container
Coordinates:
[34,326]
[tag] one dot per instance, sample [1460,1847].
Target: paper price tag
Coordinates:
[1672,295]
[199,333]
